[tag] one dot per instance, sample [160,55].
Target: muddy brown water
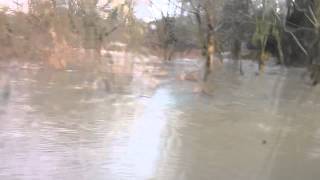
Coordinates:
[66,125]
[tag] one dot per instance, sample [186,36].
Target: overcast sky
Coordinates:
[149,10]
[144,9]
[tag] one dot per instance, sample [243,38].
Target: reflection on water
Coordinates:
[148,124]
[142,150]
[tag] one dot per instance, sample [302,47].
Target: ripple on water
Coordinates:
[54,128]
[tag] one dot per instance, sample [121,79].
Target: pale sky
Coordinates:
[148,11]
[145,9]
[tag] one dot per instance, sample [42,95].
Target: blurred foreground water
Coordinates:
[145,122]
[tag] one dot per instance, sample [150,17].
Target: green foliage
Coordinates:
[268,25]
[262,32]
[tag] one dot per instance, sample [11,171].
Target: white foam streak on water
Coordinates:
[142,150]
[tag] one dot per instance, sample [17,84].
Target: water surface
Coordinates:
[149,124]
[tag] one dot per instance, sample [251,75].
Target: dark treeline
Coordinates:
[287,29]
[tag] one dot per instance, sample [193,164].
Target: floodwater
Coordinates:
[146,124]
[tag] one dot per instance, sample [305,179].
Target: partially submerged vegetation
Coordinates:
[64,32]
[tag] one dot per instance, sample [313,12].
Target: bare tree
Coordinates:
[207,15]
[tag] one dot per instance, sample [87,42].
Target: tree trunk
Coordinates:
[210,49]
[236,49]
[280,52]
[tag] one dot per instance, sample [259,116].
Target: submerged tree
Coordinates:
[237,26]
[207,16]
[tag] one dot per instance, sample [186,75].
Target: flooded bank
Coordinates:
[147,123]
